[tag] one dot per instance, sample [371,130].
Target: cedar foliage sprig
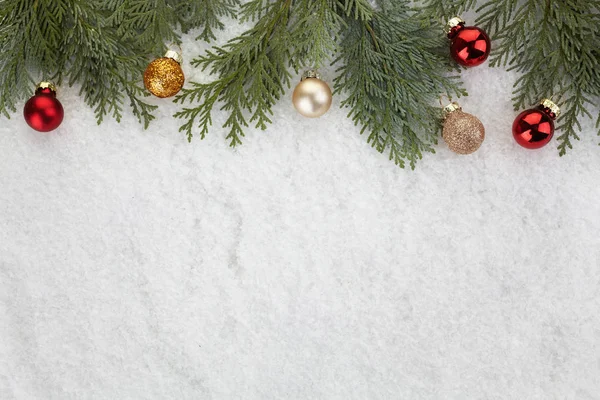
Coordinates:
[392,71]
[206,15]
[101,45]
[446,9]
[252,69]
[390,67]
[554,45]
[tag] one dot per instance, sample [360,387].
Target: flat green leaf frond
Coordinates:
[251,70]
[553,45]
[391,72]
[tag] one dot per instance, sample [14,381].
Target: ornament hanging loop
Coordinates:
[174,52]
[46,85]
[310,73]
[551,108]
[448,108]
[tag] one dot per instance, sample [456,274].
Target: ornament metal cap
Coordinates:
[175,55]
[311,73]
[453,23]
[550,105]
[450,108]
[46,85]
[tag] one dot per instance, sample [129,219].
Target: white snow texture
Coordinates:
[303,265]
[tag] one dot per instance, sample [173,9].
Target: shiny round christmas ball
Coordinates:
[43,112]
[470,46]
[463,133]
[164,77]
[533,128]
[312,97]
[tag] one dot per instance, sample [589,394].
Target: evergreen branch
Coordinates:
[142,110]
[101,45]
[598,125]
[255,10]
[356,9]
[252,69]
[27,32]
[205,14]
[143,21]
[321,20]
[392,70]
[446,9]
[554,47]
[103,65]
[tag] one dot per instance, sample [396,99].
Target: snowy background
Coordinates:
[302,265]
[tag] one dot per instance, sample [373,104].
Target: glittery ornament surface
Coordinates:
[164,77]
[464,133]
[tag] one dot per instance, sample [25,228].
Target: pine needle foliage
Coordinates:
[391,68]
[555,46]
[101,45]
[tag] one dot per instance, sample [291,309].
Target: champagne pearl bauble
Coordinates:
[463,133]
[312,97]
[164,76]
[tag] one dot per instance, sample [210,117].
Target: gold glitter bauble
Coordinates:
[464,133]
[312,97]
[164,77]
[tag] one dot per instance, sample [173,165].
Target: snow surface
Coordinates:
[302,265]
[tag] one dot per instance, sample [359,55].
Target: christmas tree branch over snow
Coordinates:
[391,69]
[103,46]
[206,15]
[252,70]
[390,56]
[555,46]
[446,9]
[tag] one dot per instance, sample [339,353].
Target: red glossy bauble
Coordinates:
[534,128]
[471,46]
[43,112]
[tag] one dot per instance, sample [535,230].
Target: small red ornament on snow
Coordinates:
[43,112]
[470,45]
[534,128]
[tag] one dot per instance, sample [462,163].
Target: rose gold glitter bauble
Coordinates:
[164,77]
[464,133]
